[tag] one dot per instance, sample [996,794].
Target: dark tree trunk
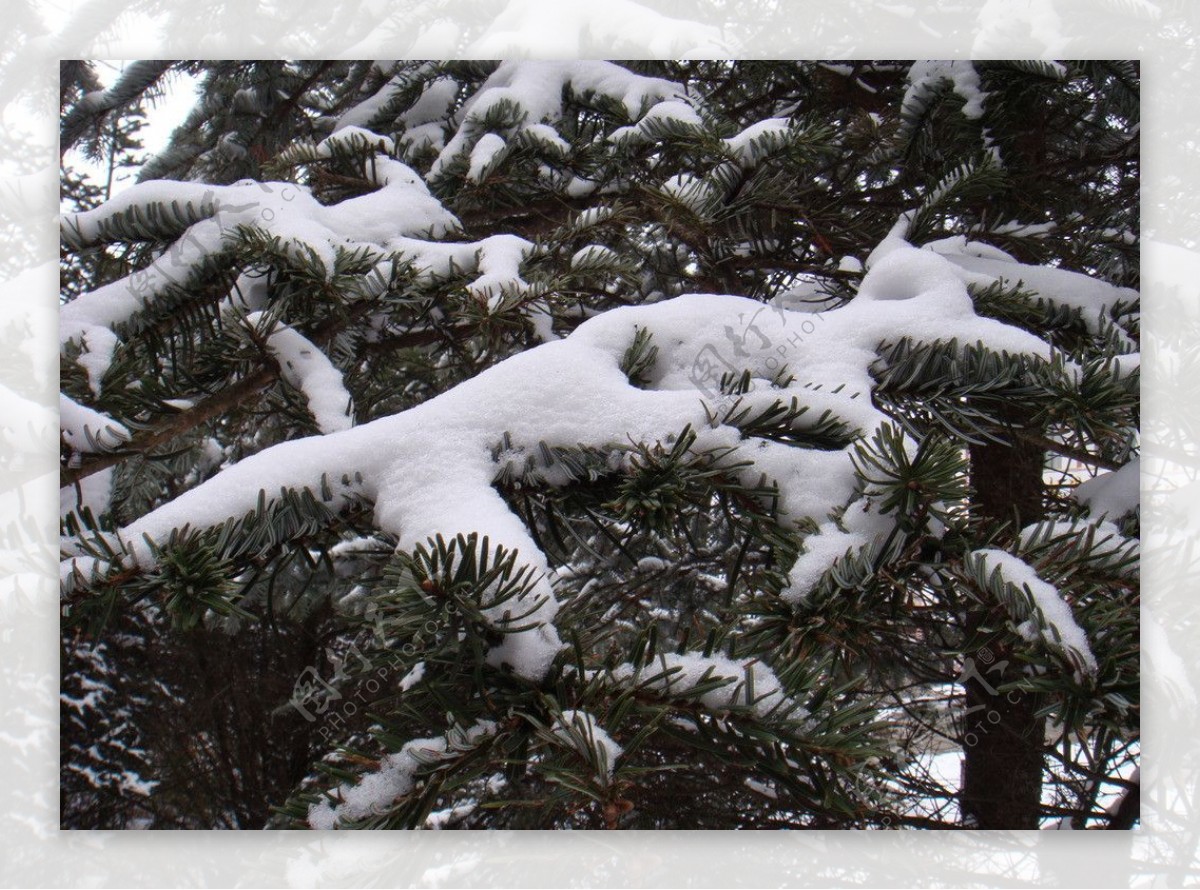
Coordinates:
[1003,739]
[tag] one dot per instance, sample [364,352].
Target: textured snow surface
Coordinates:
[308,369]
[1061,631]
[534,89]
[671,112]
[86,429]
[981,264]
[402,206]
[1112,494]
[429,470]
[556,29]
[746,145]
[925,76]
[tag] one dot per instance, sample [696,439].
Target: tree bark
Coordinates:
[1003,738]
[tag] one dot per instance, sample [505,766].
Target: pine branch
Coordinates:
[1076,454]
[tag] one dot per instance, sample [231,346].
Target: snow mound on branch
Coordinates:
[745,683]
[396,777]
[87,430]
[308,369]
[1057,627]
[747,145]
[574,727]
[925,76]
[305,228]
[977,263]
[1112,494]
[534,90]
[672,112]
[429,470]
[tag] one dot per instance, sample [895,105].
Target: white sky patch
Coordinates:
[166,113]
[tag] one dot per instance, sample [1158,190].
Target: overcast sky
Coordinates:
[162,117]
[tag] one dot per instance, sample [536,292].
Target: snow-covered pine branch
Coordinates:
[597,444]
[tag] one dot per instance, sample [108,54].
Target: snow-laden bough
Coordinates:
[430,470]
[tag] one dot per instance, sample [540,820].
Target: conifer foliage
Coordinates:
[605,445]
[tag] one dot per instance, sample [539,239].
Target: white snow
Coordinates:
[354,138]
[364,114]
[557,29]
[1061,287]
[927,75]
[748,683]
[402,206]
[87,430]
[1058,629]
[821,551]
[691,191]
[1112,494]
[377,791]
[87,568]
[92,492]
[483,154]
[747,146]
[578,728]
[413,677]
[308,369]
[429,470]
[651,564]
[982,264]
[592,255]
[534,89]
[673,112]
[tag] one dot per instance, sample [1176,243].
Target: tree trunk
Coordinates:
[1003,739]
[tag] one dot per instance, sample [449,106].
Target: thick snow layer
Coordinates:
[1057,626]
[402,206]
[396,777]
[672,112]
[308,369]
[747,683]
[86,429]
[575,727]
[429,470]
[982,264]
[1112,494]
[747,145]
[925,76]
[534,89]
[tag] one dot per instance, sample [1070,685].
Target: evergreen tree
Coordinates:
[603,445]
